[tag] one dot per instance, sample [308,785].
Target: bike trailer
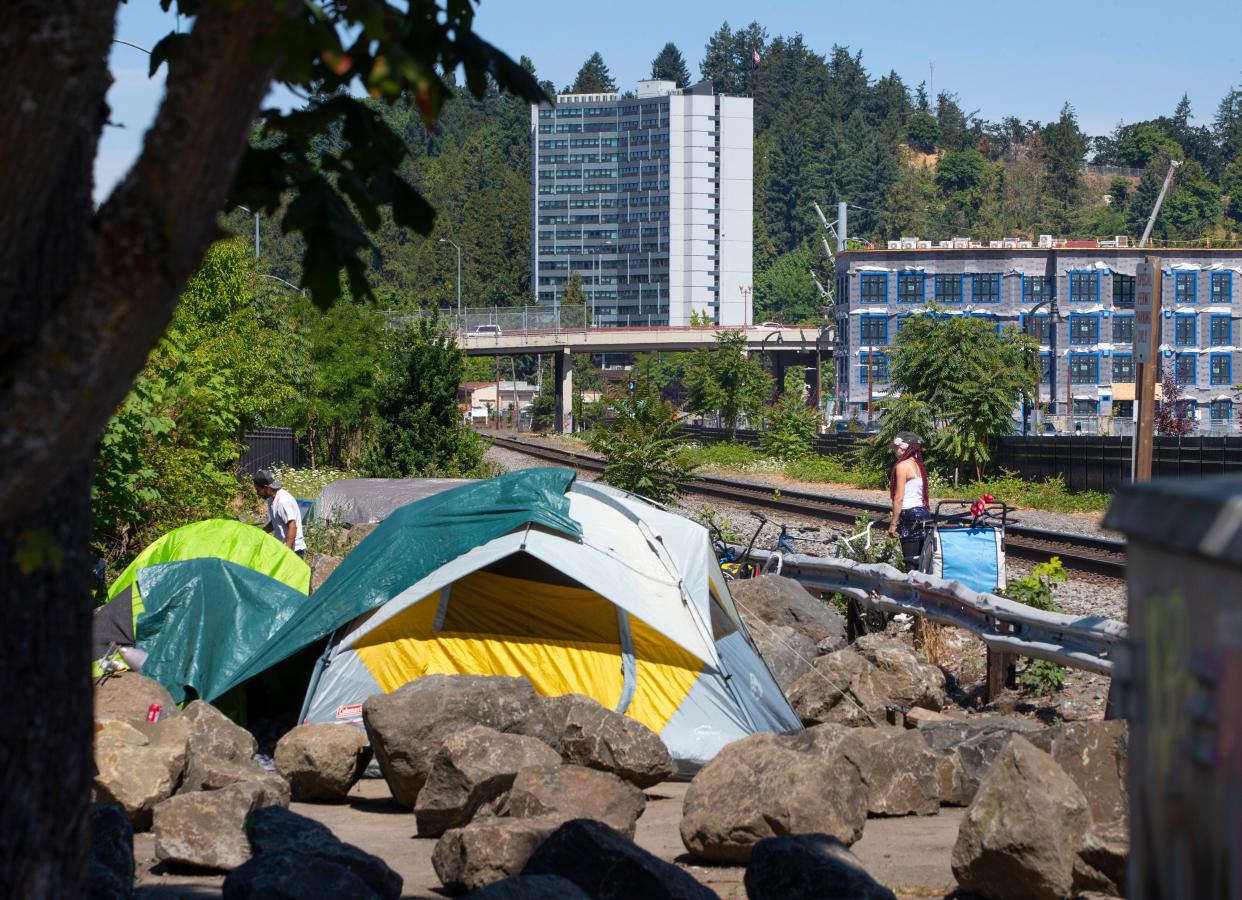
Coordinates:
[967,549]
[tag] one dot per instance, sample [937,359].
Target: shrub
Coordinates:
[791,424]
[1040,677]
[642,449]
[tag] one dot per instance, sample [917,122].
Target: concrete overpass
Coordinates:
[790,346]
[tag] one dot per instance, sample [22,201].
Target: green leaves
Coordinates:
[642,446]
[725,381]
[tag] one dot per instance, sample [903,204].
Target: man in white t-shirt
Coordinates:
[284,518]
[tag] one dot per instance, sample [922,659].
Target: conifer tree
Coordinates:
[593,77]
[670,65]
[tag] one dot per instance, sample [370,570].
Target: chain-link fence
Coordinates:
[523,319]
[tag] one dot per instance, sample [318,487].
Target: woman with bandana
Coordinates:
[907,485]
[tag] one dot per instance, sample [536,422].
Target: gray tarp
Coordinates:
[353,501]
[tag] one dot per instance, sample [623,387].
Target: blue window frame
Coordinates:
[1123,368]
[873,287]
[1036,288]
[1084,368]
[872,330]
[1123,329]
[1124,287]
[1185,368]
[985,287]
[1045,368]
[911,287]
[877,363]
[1185,287]
[1220,369]
[1184,330]
[1083,407]
[1221,287]
[1084,287]
[1084,329]
[949,288]
[1220,331]
[1221,410]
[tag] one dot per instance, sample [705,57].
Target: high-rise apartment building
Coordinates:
[648,198]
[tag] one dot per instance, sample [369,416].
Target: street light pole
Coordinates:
[246,209]
[461,323]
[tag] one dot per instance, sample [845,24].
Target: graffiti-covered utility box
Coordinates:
[1180,685]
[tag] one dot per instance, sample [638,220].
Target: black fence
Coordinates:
[267,447]
[1085,463]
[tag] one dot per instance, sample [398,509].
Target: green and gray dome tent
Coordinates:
[578,587]
[238,543]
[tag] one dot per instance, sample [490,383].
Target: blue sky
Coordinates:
[1114,61]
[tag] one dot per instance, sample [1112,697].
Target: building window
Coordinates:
[1221,369]
[1036,288]
[911,287]
[948,288]
[1185,287]
[1123,368]
[874,363]
[1084,287]
[1220,331]
[1187,409]
[1222,287]
[1123,409]
[1123,290]
[873,288]
[1184,331]
[1184,368]
[1123,329]
[1083,407]
[1084,329]
[1039,326]
[1084,368]
[873,330]
[1221,410]
[985,288]
[1045,368]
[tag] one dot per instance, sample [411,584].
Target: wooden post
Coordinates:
[1002,672]
[496,360]
[1147,355]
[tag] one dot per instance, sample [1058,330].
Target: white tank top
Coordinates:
[913,495]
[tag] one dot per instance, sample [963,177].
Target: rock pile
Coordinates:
[191,777]
[494,769]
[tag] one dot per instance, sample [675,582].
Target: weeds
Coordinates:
[1040,677]
[307,483]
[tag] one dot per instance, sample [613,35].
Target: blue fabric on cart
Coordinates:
[970,556]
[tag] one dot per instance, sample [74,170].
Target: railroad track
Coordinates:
[1084,553]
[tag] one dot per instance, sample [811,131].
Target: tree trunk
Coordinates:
[45,763]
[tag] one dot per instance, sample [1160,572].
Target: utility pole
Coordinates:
[1147,355]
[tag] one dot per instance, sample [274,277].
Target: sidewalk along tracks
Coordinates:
[1082,553]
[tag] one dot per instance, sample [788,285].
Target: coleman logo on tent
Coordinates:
[349,712]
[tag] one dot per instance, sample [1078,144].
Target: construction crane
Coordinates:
[1155,210]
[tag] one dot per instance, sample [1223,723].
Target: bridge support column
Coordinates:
[778,373]
[564,375]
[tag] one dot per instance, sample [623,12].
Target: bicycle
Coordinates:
[733,566]
[784,545]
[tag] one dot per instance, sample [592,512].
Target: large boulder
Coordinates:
[766,785]
[407,727]
[323,565]
[588,734]
[110,866]
[274,830]
[1103,855]
[488,850]
[205,829]
[967,749]
[287,875]
[530,887]
[900,771]
[474,767]
[127,696]
[908,680]
[210,773]
[792,867]
[322,762]
[787,651]
[213,734]
[573,792]
[604,864]
[132,773]
[842,688]
[782,601]
[1020,836]
[1094,754]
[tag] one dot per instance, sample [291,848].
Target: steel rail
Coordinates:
[1088,553]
